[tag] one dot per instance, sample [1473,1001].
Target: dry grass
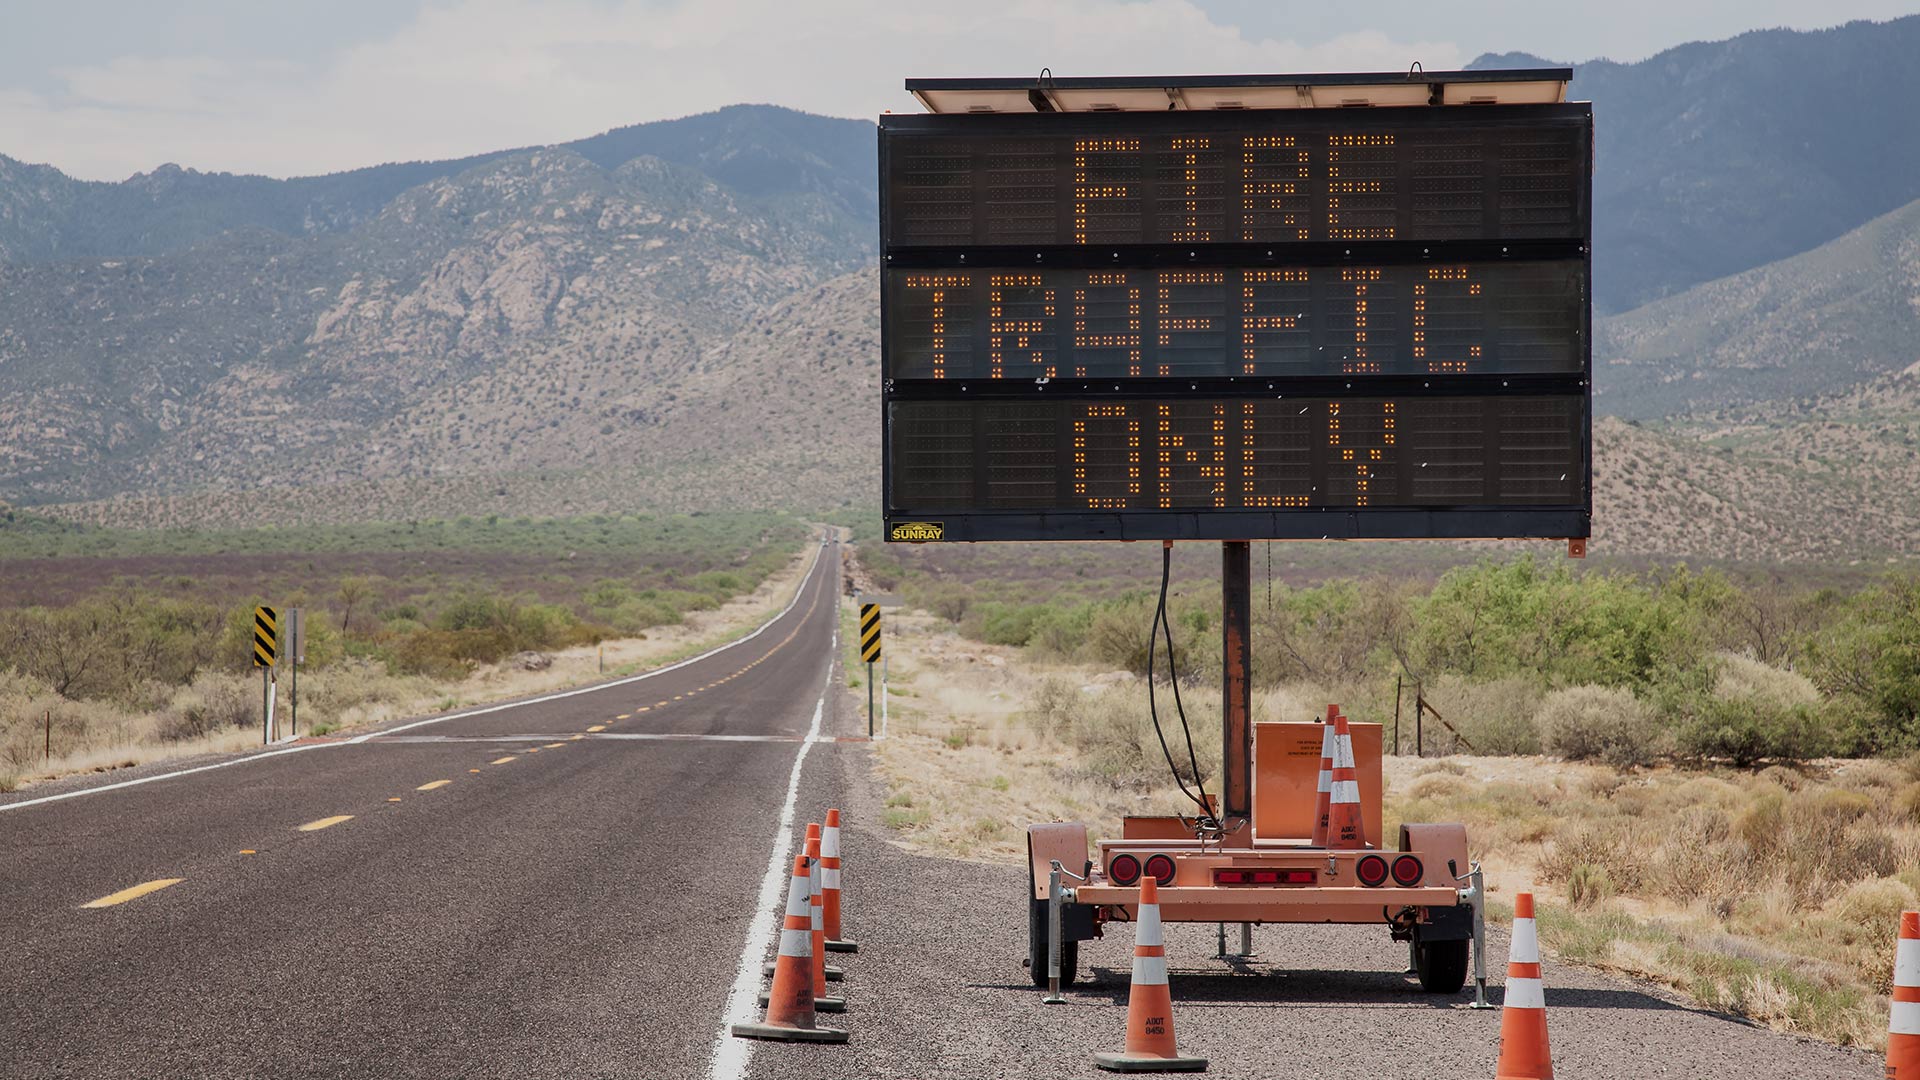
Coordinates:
[1775,895]
[221,712]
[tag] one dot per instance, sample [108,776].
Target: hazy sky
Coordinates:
[106,88]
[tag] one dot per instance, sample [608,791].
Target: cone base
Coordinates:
[834,974]
[1142,1063]
[825,1004]
[842,946]
[789,1034]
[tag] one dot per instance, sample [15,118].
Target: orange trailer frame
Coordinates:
[1256,861]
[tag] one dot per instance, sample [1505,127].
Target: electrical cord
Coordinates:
[1162,625]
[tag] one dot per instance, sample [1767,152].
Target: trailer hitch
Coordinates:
[1057,895]
[1475,895]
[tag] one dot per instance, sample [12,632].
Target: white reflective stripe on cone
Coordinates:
[799,898]
[1526,942]
[1905,1019]
[1150,970]
[796,943]
[1525,994]
[1346,791]
[1906,962]
[818,918]
[1148,930]
[829,878]
[1342,752]
[1326,781]
[830,842]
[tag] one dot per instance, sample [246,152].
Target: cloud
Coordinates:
[472,75]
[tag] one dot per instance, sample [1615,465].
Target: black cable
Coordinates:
[1162,625]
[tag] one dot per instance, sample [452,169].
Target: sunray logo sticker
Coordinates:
[915,532]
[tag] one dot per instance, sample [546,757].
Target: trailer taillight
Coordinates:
[1371,870]
[1263,877]
[1124,870]
[1407,871]
[1161,867]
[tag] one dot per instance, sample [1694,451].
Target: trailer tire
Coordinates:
[1441,965]
[1037,926]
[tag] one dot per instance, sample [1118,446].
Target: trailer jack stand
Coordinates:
[1246,943]
[1056,895]
[1475,894]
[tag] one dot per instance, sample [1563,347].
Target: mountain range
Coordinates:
[683,314]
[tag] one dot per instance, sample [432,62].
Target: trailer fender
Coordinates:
[1065,841]
[1436,844]
[1446,924]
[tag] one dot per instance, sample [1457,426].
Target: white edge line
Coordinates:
[797,594]
[730,1056]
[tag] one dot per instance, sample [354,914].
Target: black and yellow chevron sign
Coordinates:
[266,637]
[870,632]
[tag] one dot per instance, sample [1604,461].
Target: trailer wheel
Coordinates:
[1441,965]
[1037,947]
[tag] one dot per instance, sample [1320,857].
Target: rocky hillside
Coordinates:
[540,311]
[1717,157]
[1818,324]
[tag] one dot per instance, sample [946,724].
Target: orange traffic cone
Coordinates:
[1149,1002]
[1524,1054]
[1322,799]
[1345,827]
[833,974]
[816,933]
[790,1015]
[830,883]
[1903,1026]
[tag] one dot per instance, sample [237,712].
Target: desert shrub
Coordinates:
[1494,717]
[1742,678]
[1588,884]
[1587,722]
[1907,802]
[949,602]
[1750,730]
[1610,845]
[213,703]
[1117,634]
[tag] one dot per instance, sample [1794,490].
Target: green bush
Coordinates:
[1598,722]
[1754,729]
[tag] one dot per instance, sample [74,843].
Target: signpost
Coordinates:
[266,653]
[297,647]
[870,651]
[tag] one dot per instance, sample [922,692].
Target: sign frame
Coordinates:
[1571,520]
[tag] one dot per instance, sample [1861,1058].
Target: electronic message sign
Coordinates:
[1237,324]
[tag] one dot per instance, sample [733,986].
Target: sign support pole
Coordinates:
[869,699]
[266,706]
[1236,623]
[883,695]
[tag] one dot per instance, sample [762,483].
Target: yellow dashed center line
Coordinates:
[325,823]
[624,716]
[555,745]
[133,893]
[432,784]
[393,798]
[248,851]
[477,770]
[598,727]
[645,708]
[504,760]
[576,738]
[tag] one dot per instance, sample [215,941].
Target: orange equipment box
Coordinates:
[1286,778]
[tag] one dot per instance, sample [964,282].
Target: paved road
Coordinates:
[558,889]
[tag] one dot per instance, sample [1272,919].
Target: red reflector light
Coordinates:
[1124,870]
[1231,877]
[1371,870]
[1161,867]
[1296,877]
[1407,871]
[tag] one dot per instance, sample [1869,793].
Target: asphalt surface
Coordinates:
[571,903]
[576,903]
